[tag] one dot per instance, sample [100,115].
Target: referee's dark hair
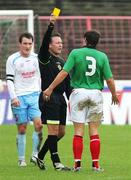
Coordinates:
[26,35]
[92,38]
[55,34]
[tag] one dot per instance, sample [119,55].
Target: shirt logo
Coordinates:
[59,66]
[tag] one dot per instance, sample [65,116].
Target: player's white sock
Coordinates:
[21,145]
[35,138]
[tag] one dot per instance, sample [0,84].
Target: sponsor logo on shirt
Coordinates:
[28,74]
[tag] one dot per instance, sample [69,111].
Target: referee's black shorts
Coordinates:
[54,110]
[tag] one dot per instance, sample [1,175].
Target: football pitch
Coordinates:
[115,156]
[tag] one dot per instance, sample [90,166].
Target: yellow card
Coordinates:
[56,12]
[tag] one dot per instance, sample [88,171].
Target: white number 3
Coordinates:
[92,66]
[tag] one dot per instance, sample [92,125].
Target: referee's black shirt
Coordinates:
[51,65]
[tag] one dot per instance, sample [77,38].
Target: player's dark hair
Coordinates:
[55,34]
[92,38]
[26,35]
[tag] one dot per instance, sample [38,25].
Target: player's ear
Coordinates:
[85,41]
[19,44]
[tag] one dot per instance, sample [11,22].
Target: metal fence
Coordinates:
[115,38]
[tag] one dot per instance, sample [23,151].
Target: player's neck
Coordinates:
[24,55]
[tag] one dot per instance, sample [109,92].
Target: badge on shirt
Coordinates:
[59,66]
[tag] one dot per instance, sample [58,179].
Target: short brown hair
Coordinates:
[26,35]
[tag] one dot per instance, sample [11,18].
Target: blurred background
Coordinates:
[111,17]
[78,16]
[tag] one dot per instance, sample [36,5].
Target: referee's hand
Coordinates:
[52,19]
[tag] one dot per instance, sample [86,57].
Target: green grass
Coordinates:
[115,156]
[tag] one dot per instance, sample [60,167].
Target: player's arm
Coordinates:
[108,76]
[111,86]
[10,83]
[44,53]
[59,78]
[61,75]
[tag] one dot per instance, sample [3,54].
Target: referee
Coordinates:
[54,109]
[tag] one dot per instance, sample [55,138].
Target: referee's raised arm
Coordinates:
[44,54]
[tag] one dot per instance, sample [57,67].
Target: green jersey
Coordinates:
[88,68]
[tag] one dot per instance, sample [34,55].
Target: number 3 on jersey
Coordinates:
[91,66]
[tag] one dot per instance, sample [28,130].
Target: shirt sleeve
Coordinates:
[10,72]
[44,53]
[107,70]
[70,62]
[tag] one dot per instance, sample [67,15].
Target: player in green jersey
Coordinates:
[88,68]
